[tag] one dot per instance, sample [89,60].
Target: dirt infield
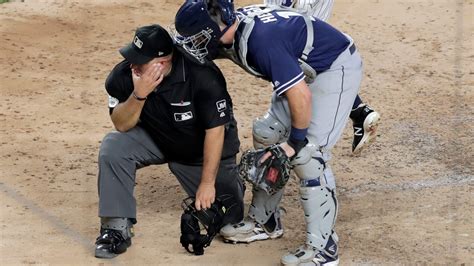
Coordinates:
[408,199]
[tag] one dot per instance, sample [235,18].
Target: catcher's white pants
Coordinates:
[334,91]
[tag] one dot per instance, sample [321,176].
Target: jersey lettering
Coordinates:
[267,18]
[264,16]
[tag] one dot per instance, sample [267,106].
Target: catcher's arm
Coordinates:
[299,101]
[213,144]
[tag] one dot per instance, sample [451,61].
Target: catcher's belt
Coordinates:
[270,175]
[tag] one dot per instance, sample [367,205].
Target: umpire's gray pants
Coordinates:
[122,153]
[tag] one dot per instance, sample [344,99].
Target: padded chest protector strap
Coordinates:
[248,21]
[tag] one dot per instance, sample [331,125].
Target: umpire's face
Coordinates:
[164,61]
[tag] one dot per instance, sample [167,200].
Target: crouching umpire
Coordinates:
[166,108]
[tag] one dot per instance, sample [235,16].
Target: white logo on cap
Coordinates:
[160,53]
[138,42]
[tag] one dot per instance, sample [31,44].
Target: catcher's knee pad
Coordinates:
[307,165]
[267,130]
[320,209]
[264,205]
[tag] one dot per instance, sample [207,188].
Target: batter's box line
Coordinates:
[53,220]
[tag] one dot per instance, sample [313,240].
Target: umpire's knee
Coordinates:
[111,148]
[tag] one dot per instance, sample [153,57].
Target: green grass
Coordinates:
[3,1]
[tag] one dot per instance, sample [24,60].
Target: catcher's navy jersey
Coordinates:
[277,41]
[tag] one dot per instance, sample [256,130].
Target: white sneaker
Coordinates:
[307,255]
[248,231]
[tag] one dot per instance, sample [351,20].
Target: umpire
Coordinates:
[170,109]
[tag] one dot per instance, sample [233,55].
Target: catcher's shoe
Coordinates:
[248,231]
[110,243]
[365,121]
[308,255]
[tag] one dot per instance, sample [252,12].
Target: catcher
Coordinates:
[316,72]
[167,108]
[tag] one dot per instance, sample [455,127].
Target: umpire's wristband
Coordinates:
[137,97]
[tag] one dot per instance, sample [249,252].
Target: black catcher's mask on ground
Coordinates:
[198,228]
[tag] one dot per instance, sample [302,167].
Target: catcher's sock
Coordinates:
[357,113]
[271,224]
[357,102]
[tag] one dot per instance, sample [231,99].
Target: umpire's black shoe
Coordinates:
[110,243]
[365,121]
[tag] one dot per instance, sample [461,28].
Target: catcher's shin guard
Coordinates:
[263,205]
[318,200]
[320,209]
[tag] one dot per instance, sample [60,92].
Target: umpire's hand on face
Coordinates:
[205,196]
[146,77]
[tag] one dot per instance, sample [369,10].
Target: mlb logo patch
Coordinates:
[221,105]
[180,117]
[138,42]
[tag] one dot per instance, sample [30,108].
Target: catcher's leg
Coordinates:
[320,209]
[263,221]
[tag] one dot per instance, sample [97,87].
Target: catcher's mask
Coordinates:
[197,30]
[198,228]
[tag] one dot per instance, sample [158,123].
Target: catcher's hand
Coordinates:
[271,174]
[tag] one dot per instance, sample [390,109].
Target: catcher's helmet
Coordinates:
[197,23]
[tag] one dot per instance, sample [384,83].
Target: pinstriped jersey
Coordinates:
[320,9]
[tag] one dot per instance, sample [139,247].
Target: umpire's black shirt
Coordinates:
[191,99]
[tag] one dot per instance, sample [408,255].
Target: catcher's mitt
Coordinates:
[270,175]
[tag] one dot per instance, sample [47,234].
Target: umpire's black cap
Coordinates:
[149,42]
